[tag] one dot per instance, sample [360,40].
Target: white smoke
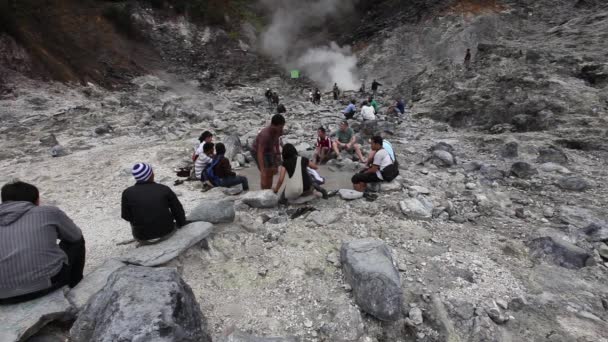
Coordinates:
[325,63]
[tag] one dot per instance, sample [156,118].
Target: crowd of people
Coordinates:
[33,264]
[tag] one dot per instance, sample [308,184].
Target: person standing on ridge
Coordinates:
[317,96]
[269,96]
[266,149]
[467,58]
[375,85]
[336,91]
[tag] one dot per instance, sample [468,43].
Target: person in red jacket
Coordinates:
[223,170]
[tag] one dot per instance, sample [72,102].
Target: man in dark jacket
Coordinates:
[375,85]
[153,209]
[223,170]
[32,264]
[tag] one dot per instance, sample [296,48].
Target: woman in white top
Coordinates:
[368,113]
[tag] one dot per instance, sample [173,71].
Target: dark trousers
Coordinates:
[70,274]
[227,182]
[349,115]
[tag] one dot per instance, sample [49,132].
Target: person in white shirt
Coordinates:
[205,157]
[374,173]
[368,113]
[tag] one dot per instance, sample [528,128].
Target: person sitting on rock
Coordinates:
[266,148]
[205,138]
[367,112]
[350,111]
[346,140]
[294,179]
[268,96]
[386,145]
[32,264]
[223,170]
[153,209]
[203,161]
[373,103]
[324,147]
[398,108]
[382,168]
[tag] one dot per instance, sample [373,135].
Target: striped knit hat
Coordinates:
[142,172]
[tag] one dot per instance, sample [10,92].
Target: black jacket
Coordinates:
[152,208]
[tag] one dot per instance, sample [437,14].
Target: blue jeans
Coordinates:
[232,181]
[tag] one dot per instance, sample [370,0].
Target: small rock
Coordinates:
[417,208]
[523,170]
[49,140]
[470,186]
[551,154]
[548,212]
[573,183]
[104,129]
[261,199]
[415,316]
[509,150]
[349,195]
[59,151]
[443,158]
[603,250]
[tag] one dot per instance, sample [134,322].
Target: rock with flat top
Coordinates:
[349,195]
[92,283]
[20,321]
[559,251]
[221,211]
[142,304]
[238,336]
[261,199]
[368,268]
[167,250]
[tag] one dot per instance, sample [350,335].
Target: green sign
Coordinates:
[295,73]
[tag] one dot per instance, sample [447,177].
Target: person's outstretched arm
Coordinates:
[176,209]
[283,170]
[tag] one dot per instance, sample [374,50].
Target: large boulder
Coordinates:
[559,251]
[20,321]
[142,304]
[213,211]
[261,199]
[368,268]
[93,283]
[233,146]
[167,250]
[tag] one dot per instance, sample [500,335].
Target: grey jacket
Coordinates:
[29,253]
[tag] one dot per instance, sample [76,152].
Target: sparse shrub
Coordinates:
[120,16]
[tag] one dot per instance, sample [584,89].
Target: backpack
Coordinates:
[208,173]
[392,171]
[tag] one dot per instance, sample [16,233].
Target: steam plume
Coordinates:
[323,63]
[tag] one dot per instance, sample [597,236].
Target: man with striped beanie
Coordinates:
[153,209]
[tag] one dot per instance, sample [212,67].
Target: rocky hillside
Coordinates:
[495,230]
